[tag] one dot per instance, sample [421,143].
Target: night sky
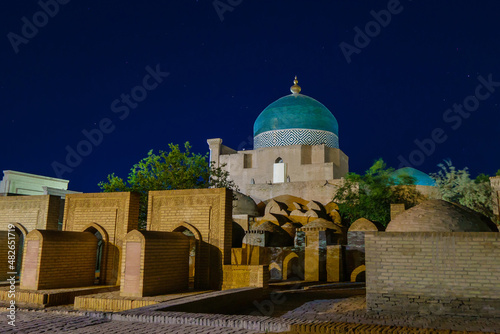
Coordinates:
[214,71]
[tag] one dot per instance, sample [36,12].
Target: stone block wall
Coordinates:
[283,262]
[244,276]
[250,254]
[307,166]
[154,263]
[57,259]
[433,272]
[335,263]
[26,213]
[321,191]
[113,215]
[32,212]
[397,209]
[315,256]
[207,214]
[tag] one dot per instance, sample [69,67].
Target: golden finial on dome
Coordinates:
[295,89]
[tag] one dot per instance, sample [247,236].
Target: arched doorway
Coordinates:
[19,236]
[194,245]
[279,171]
[102,238]
[359,274]
[292,270]
[275,272]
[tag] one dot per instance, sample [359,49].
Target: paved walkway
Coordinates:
[48,322]
[347,313]
[352,310]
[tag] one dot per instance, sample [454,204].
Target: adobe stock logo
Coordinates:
[225,6]
[121,106]
[40,19]
[372,29]
[454,117]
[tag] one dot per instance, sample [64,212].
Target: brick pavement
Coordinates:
[47,322]
[353,310]
[318,316]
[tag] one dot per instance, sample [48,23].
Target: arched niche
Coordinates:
[101,252]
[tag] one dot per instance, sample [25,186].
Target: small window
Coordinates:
[247,161]
[279,161]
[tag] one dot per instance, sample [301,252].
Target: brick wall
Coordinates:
[26,213]
[315,256]
[32,212]
[397,209]
[207,212]
[335,263]
[433,272]
[243,276]
[115,213]
[57,259]
[154,263]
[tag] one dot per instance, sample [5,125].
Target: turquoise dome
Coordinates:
[295,112]
[422,179]
[295,119]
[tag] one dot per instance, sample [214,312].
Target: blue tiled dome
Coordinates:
[422,179]
[295,119]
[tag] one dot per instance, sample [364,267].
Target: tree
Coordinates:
[456,186]
[169,170]
[371,195]
[498,172]
[482,178]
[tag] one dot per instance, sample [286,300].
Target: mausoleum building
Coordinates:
[296,151]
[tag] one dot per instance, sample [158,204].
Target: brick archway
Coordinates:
[21,232]
[357,271]
[194,230]
[21,228]
[103,256]
[286,264]
[195,247]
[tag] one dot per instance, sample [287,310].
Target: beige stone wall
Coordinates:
[321,191]
[397,209]
[32,212]
[433,272]
[334,263]
[244,276]
[285,260]
[207,214]
[154,263]
[315,256]
[113,214]
[303,163]
[57,259]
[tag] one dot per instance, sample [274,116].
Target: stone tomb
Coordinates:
[57,259]
[25,213]
[204,214]
[323,251]
[435,258]
[154,263]
[109,216]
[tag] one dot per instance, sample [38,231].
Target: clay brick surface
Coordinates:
[433,272]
